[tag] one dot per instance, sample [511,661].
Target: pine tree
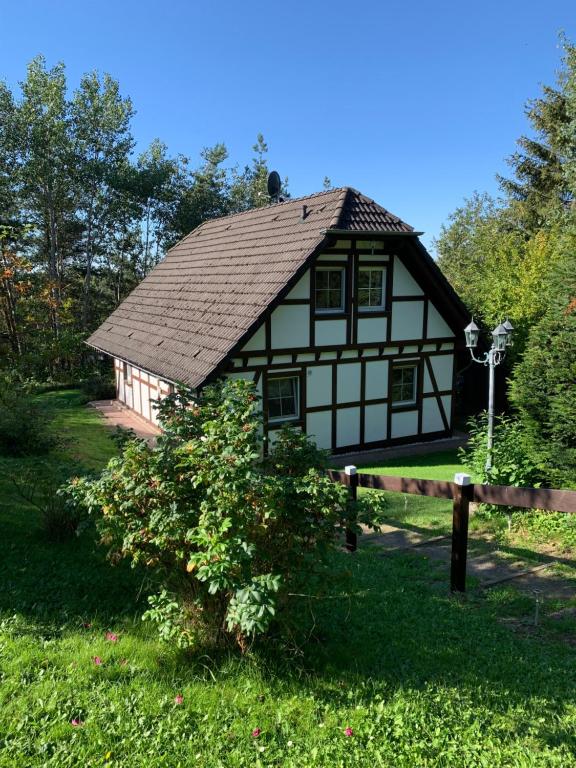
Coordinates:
[540,186]
[544,383]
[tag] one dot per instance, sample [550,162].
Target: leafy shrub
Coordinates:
[99,386]
[41,487]
[540,526]
[511,462]
[24,424]
[123,435]
[228,533]
[544,382]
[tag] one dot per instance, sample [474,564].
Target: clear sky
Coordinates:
[415,103]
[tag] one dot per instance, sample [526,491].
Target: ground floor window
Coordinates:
[283,398]
[404,383]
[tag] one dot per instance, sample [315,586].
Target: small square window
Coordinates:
[283,398]
[404,383]
[371,283]
[329,289]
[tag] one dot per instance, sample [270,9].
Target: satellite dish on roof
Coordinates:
[274,185]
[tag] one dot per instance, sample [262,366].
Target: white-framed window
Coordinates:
[404,383]
[283,398]
[371,288]
[330,283]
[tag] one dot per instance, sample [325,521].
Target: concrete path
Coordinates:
[116,414]
[487,562]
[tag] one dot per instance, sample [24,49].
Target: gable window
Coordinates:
[371,281]
[283,398]
[404,383]
[329,289]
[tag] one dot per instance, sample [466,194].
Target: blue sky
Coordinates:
[417,104]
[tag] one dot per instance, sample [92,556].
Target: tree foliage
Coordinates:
[541,184]
[82,220]
[515,258]
[544,383]
[227,533]
[494,267]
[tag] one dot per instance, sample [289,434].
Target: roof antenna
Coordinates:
[274,187]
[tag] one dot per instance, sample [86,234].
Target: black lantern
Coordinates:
[472,333]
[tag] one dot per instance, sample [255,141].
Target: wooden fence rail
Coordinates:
[462,491]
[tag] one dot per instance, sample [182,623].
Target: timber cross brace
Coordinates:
[462,491]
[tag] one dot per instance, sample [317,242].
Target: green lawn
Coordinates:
[441,465]
[419,513]
[421,678]
[80,427]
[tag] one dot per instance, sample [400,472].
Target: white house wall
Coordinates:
[343,362]
[375,422]
[257,341]
[348,387]
[290,327]
[302,288]
[347,427]
[437,326]
[319,386]
[443,366]
[139,390]
[407,320]
[348,383]
[404,283]
[404,424]
[319,426]
[372,329]
[431,415]
[376,379]
[328,333]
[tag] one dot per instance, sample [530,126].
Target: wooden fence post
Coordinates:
[352,477]
[463,491]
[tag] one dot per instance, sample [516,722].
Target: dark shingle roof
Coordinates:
[189,313]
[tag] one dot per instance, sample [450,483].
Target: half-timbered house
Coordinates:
[329,303]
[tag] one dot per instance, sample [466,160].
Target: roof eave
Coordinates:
[136,365]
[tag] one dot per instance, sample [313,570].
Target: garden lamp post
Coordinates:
[502,338]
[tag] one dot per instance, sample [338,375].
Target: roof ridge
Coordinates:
[270,206]
[378,205]
[335,220]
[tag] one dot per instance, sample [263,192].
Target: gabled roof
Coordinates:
[213,287]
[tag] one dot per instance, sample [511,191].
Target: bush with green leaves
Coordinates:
[544,382]
[24,424]
[511,462]
[228,533]
[43,487]
[98,386]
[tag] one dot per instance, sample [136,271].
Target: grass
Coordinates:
[422,678]
[423,514]
[81,429]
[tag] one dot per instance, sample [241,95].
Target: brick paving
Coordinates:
[117,415]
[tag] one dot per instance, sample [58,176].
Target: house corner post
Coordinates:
[463,491]
[352,481]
